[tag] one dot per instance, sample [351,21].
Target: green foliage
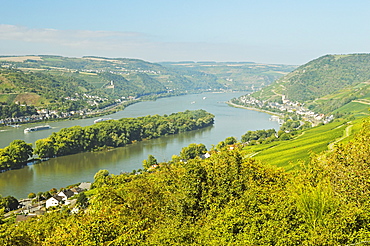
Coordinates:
[230,140]
[226,199]
[82,200]
[15,155]
[259,136]
[115,133]
[192,151]
[324,84]
[31,195]
[313,140]
[9,203]
[102,174]
[14,110]
[151,161]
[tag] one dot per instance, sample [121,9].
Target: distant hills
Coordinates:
[324,84]
[95,82]
[235,75]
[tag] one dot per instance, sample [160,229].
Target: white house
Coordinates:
[53,201]
[65,194]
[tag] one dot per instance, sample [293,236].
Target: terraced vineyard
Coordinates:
[286,154]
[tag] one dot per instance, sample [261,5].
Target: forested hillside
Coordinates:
[325,84]
[227,199]
[234,75]
[41,89]
[88,83]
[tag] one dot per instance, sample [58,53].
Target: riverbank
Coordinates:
[254,109]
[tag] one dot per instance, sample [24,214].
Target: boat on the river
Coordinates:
[102,119]
[37,128]
[15,126]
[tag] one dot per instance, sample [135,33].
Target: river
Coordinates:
[62,171]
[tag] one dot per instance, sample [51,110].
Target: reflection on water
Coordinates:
[62,171]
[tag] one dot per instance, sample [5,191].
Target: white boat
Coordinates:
[37,128]
[102,119]
[15,126]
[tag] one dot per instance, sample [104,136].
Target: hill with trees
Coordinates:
[91,83]
[324,84]
[234,75]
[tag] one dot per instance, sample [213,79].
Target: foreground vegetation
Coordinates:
[227,199]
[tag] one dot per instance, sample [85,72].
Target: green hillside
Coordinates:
[333,94]
[40,89]
[235,75]
[287,154]
[88,83]
[325,84]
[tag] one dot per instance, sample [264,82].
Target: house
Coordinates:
[77,190]
[205,156]
[85,186]
[65,194]
[53,201]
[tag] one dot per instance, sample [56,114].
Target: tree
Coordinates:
[45,148]
[82,200]
[101,174]
[46,195]
[230,140]
[19,152]
[10,203]
[149,162]
[31,195]
[192,151]
[100,177]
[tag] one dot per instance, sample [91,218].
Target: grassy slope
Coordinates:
[313,140]
[286,154]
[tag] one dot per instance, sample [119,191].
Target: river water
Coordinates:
[62,171]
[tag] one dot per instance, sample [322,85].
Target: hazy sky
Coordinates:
[288,32]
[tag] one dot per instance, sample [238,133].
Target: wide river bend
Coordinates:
[62,171]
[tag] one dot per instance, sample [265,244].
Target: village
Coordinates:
[286,106]
[38,206]
[46,114]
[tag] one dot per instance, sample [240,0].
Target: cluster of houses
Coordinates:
[43,114]
[124,71]
[62,197]
[287,106]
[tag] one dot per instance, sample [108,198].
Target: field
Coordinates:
[28,98]
[286,154]
[20,58]
[358,109]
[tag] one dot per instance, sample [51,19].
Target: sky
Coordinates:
[263,31]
